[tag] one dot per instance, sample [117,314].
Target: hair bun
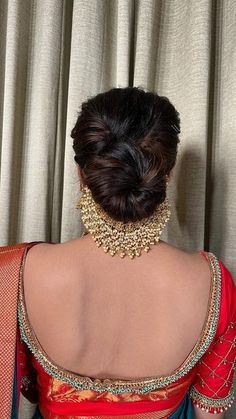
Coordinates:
[125,143]
[124,178]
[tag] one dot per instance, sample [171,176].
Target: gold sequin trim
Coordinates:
[116,386]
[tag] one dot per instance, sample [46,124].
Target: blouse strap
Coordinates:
[204,254]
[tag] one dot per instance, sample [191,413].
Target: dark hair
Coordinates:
[125,142]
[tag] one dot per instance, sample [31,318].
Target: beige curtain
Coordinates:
[55,53]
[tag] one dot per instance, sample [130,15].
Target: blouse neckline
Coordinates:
[115,385]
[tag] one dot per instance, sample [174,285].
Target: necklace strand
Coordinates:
[119,237]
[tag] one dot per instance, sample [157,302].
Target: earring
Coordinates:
[82,189]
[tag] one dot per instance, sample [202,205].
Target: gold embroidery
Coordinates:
[62,392]
[216,403]
[118,386]
[222,359]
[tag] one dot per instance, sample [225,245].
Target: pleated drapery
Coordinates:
[54,54]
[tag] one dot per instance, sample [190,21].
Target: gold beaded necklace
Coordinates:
[118,237]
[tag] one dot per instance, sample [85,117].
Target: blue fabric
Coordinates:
[185,409]
[37,414]
[14,414]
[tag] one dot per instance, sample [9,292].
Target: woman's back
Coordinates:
[146,333]
[109,317]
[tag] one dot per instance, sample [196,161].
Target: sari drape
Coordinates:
[184,411]
[11,257]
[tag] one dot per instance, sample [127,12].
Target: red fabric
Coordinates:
[18,367]
[215,370]
[62,398]
[101,408]
[28,373]
[10,260]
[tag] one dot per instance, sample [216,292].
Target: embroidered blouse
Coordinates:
[207,373]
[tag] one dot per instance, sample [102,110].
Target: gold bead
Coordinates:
[119,237]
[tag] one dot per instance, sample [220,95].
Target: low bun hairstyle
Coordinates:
[125,141]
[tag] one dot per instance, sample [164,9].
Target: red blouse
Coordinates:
[207,373]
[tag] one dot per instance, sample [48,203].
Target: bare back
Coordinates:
[107,317]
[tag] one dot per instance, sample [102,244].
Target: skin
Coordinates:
[100,315]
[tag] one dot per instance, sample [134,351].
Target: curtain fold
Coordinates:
[55,54]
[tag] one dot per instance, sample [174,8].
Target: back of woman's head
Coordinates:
[125,142]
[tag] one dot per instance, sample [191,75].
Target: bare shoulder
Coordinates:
[188,276]
[192,264]
[54,270]
[49,262]
[48,268]
[51,256]
[52,291]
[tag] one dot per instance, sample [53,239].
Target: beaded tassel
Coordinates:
[210,405]
[214,409]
